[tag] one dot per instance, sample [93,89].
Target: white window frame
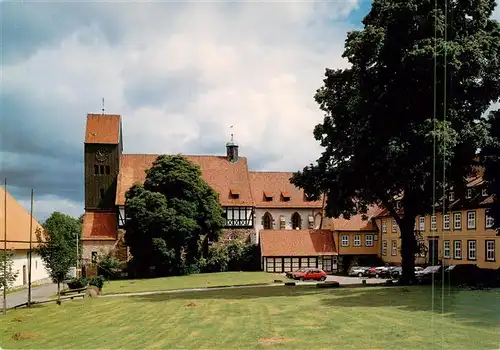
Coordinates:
[384,247]
[457,221]
[471,220]
[471,249]
[446,221]
[357,241]
[433,223]
[421,221]
[457,247]
[451,196]
[344,240]
[369,241]
[394,227]
[447,249]
[489,221]
[468,193]
[484,192]
[394,248]
[490,250]
[384,226]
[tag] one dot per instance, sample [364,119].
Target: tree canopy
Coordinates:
[170,215]
[404,121]
[491,157]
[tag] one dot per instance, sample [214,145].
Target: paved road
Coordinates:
[38,293]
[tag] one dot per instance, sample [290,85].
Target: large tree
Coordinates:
[170,215]
[491,158]
[68,229]
[404,120]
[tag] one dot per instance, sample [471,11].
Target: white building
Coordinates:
[18,237]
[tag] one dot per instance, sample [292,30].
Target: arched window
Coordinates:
[267,221]
[317,221]
[296,221]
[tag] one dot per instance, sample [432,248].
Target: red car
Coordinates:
[310,274]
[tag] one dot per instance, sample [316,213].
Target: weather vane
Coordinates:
[231,127]
[103,106]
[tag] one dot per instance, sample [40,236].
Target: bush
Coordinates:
[217,260]
[108,267]
[77,283]
[97,281]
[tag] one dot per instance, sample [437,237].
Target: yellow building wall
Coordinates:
[357,250]
[480,234]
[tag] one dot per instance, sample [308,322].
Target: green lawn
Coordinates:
[192,281]
[302,317]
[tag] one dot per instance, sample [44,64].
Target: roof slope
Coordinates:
[297,243]
[103,128]
[99,226]
[277,184]
[18,224]
[223,176]
[355,223]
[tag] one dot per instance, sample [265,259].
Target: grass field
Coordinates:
[264,317]
[191,281]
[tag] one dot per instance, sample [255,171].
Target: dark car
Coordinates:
[462,275]
[430,273]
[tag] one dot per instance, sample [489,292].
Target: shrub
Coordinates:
[77,283]
[108,267]
[217,260]
[97,281]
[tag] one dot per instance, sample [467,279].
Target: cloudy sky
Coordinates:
[179,73]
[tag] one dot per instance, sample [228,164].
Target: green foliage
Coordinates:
[65,228]
[217,260]
[378,131]
[169,216]
[97,281]
[77,283]
[7,275]
[108,267]
[235,256]
[491,163]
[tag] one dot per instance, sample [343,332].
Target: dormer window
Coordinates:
[268,196]
[468,194]
[234,193]
[484,192]
[398,205]
[451,196]
[285,196]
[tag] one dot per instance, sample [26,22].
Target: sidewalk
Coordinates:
[38,293]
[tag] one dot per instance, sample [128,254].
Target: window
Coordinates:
[102,192]
[394,226]
[433,223]
[394,248]
[384,226]
[471,249]
[446,249]
[457,221]
[296,221]
[446,222]
[310,219]
[468,194]
[282,222]
[267,221]
[369,240]
[96,169]
[121,216]
[238,216]
[398,205]
[422,223]
[457,245]
[451,196]
[471,220]
[345,241]
[107,170]
[101,169]
[490,250]
[357,240]
[489,220]
[94,257]
[384,247]
[484,192]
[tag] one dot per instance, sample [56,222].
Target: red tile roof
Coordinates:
[223,175]
[274,184]
[18,224]
[355,223]
[98,226]
[103,128]
[297,243]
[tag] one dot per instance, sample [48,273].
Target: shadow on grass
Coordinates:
[479,308]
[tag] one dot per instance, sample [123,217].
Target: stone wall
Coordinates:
[116,249]
[242,234]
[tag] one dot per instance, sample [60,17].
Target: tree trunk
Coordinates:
[408,248]
[58,293]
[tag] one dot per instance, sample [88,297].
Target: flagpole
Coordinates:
[29,263]
[4,259]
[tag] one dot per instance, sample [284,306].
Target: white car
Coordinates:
[358,271]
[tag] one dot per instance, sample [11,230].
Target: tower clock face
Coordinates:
[101,155]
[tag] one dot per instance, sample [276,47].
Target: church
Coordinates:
[259,207]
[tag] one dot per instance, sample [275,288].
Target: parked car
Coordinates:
[291,274]
[359,271]
[398,270]
[379,271]
[464,274]
[311,274]
[427,274]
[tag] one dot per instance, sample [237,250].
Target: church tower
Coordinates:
[103,149]
[232,150]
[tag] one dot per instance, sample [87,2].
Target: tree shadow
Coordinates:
[474,307]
